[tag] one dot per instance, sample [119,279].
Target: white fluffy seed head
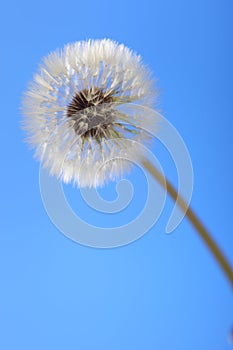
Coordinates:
[72,115]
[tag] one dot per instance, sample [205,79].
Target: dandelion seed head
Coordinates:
[71,115]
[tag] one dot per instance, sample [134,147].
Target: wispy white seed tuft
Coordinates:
[72,115]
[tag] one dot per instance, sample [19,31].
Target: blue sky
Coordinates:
[162,291]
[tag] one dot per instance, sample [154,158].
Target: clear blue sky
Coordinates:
[163,291]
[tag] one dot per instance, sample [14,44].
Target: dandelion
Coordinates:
[71,112]
[74,123]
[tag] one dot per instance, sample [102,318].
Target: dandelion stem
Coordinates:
[194,220]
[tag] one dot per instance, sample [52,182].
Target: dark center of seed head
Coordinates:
[91,99]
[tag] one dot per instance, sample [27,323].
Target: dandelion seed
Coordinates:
[71,113]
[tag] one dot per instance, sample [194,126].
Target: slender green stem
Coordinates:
[194,220]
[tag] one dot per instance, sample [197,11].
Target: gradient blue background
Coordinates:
[162,291]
